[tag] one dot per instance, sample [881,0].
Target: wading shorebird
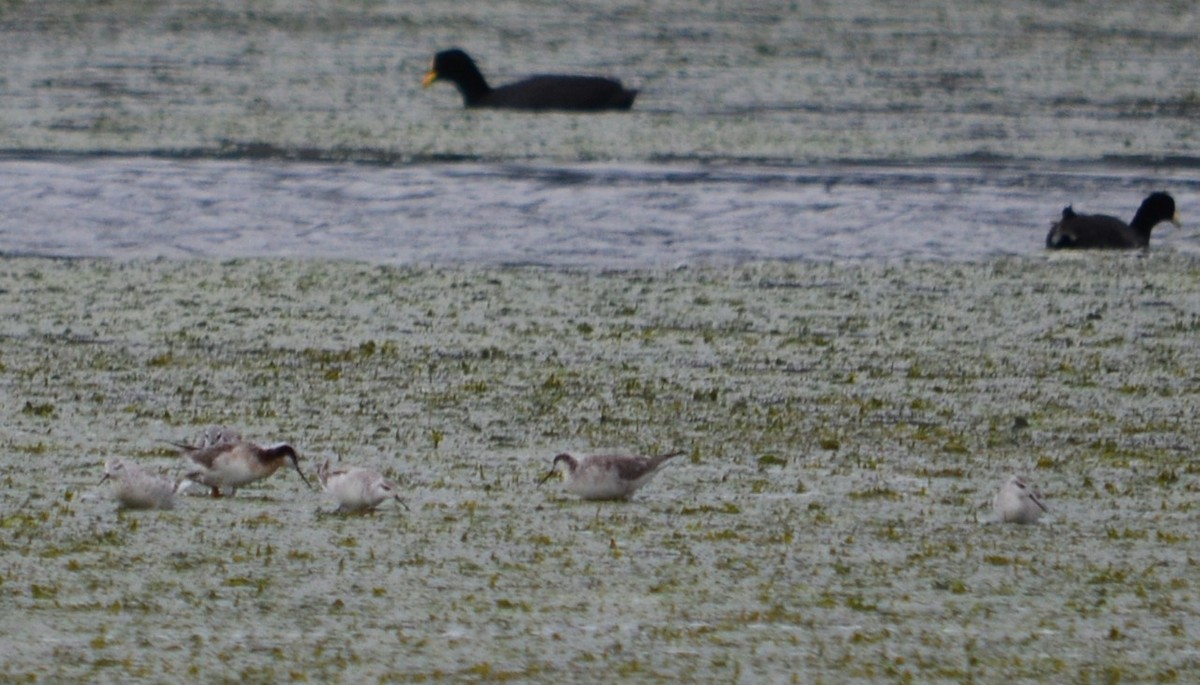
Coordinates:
[135,488]
[357,489]
[1018,502]
[234,464]
[216,435]
[211,435]
[607,476]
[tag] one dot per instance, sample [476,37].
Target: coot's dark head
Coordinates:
[1156,208]
[456,66]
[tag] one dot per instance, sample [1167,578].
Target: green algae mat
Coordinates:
[844,427]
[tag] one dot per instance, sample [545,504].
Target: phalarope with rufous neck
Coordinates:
[234,464]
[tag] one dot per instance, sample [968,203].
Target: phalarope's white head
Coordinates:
[135,488]
[357,489]
[234,464]
[607,476]
[1018,502]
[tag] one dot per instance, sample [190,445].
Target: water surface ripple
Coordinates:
[606,215]
[852,130]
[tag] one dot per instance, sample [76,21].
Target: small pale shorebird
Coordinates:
[216,435]
[135,488]
[210,436]
[357,489]
[234,464]
[607,476]
[1018,502]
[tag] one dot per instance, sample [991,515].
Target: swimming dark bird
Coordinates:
[536,93]
[1099,231]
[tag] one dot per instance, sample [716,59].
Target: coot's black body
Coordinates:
[537,93]
[1103,232]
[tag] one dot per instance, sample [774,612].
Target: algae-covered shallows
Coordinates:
[846,425]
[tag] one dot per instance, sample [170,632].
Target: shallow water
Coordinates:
[592,215]
[844,431]
[859,80]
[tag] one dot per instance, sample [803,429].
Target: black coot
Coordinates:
[537,93]
[1100,231]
